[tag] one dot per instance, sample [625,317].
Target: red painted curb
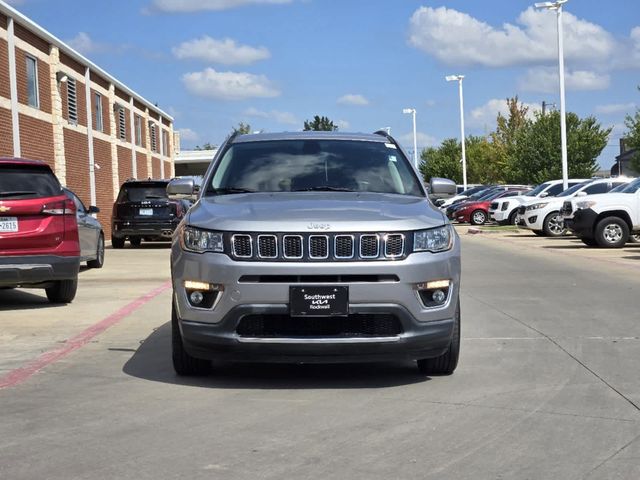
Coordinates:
[19,375]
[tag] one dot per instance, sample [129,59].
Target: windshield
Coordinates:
[142,192]
[632,187]
[536,191]
[307,165]
[491,195]
[571,190]
[471,191]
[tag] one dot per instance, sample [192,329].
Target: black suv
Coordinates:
[143,211]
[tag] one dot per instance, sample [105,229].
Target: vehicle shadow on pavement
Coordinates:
[16,299]
[143,246]
[152,361]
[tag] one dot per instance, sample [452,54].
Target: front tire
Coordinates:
[634,238]
[183,363]
[512,217]
[553,225]
[478,217]
[612,232]
[62,291]
[99,260]
[446,363]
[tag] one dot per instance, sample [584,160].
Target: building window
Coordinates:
[72,101]
[97,98]
[165,143]
[32,82]
[122,118]
[138,121]
[154,139]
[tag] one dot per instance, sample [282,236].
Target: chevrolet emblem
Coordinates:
[4,209]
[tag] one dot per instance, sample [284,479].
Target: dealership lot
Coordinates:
[546,388]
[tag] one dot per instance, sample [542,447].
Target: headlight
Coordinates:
[536,206]
[505,206]
[585,204]
[196,240]
[433,240]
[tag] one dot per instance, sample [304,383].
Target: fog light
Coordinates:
[196,298]
[195,285]
[439,296]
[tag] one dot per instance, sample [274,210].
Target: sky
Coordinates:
[275,63]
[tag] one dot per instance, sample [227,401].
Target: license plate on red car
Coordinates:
[8,224]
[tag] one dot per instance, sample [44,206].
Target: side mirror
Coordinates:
[543,194]
[581,194]
[93,209]
[181,188]
[442,187]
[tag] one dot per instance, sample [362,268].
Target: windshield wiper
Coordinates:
[324,188]
[17,192]
[223,190]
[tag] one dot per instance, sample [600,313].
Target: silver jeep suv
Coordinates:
[314,247]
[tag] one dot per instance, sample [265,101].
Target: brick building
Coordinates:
[59,107]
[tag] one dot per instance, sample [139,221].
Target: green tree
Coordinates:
[483,164]
[242,128]
[206,146]
[442,161]
[538,152]
[505,137]
[632,138]
[320,124]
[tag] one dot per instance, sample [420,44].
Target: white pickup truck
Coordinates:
[609,220]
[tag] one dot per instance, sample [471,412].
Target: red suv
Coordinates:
[39,246]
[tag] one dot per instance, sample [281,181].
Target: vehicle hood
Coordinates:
[314,211]
[519,198]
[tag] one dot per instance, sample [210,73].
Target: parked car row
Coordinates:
[46,231]
[602,212]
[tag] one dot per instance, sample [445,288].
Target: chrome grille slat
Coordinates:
[318,247]
[344,246]
[267,246]
[242,245]
[369,246]
[292,246]
[393,245]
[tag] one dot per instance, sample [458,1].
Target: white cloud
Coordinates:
[456,38]
[343,124]
[353,99]
[545,80]
[615,108]
[225,51]
[189,6]
[285,118]
[486,114]
[228,85]
[85,45]
[188,135]
[423,140]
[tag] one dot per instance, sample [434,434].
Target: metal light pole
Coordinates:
[458,78]
[415,138]
[557,6]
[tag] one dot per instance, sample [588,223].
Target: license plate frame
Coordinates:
[145,212]
[9,225]
[319,301]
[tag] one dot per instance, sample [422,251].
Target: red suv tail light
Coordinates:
[61,207]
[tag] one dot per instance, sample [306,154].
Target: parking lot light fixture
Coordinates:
[459,78]
[412,111]
[557,6]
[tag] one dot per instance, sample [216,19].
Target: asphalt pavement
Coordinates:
[547,386]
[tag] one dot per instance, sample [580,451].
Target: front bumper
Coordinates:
[36,270]
[212,333]
[583,222]
[534,220]
[499,215]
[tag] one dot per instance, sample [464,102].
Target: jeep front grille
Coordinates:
[318,247]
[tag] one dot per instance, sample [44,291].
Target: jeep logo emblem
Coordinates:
[318,226]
